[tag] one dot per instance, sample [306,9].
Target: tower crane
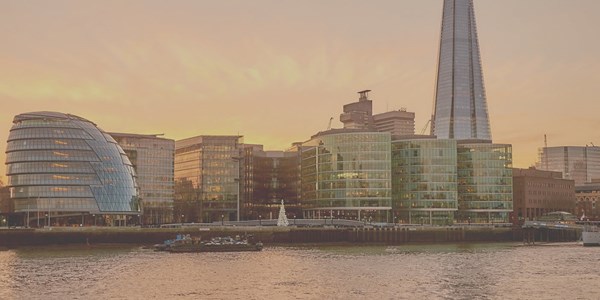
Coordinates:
[425,127]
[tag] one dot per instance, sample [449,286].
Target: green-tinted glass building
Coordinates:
[484,182]
[207,172]
[424,181]
[346,174]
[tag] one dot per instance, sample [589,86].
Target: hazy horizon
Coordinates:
[276,71]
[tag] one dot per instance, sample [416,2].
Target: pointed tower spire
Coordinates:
[460,110]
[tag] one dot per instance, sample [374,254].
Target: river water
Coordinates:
[448,271]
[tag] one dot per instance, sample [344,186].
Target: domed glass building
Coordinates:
[62,169]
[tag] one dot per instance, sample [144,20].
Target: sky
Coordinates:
[275,71]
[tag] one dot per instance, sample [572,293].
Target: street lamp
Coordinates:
[182,217]
[94,215]
[294,219]
[259,220]
[222,220]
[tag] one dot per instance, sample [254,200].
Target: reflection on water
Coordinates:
[446,271]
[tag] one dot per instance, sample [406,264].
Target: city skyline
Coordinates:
[200,68]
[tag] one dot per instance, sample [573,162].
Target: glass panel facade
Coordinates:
[424,181]
[60,164]
[460,105]
[267,178]
[347,174]
[152,158]
[207,178]
[485,192]
[581,164]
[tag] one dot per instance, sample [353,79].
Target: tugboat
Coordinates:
[216,244]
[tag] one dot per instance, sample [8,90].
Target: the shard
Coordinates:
[460,104]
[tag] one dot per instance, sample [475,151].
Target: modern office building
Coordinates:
[6,206]
[62,169]
[538,192]
[359,115]
[267,178]
[424,180]
[396,122]
[460,102]
[581,164]
[484,182]
[207,178]
[152,159]
[346,174]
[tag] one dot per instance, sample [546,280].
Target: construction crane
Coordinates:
[425,127]
[329,126]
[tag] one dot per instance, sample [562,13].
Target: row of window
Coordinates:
[54,179]
[51,155]
[49,167]
[48,133]
[46,144]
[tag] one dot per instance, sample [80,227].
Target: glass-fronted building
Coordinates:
[62,169]
[578,163]
[152,158]
[485,192]
[460,101]
[207,178]
[346,174]
[267,178]
[424,181]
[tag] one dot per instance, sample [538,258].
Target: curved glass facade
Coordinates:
[424,181]
[346,174]
[63,164]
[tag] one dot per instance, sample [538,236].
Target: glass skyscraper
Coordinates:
[460,102]
[63,169]
[346,174]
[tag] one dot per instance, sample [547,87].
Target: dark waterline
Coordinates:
[445,271]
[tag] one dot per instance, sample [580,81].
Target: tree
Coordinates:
[283,220]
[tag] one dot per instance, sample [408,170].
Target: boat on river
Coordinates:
[185,243]
[591,233]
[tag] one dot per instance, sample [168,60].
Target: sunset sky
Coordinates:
[276,71]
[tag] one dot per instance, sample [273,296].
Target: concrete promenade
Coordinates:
[270,234]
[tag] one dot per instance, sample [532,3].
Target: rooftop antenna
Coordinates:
[546,152]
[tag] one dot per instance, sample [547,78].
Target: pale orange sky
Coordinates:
[276,71]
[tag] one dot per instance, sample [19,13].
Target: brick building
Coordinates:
[537,192]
